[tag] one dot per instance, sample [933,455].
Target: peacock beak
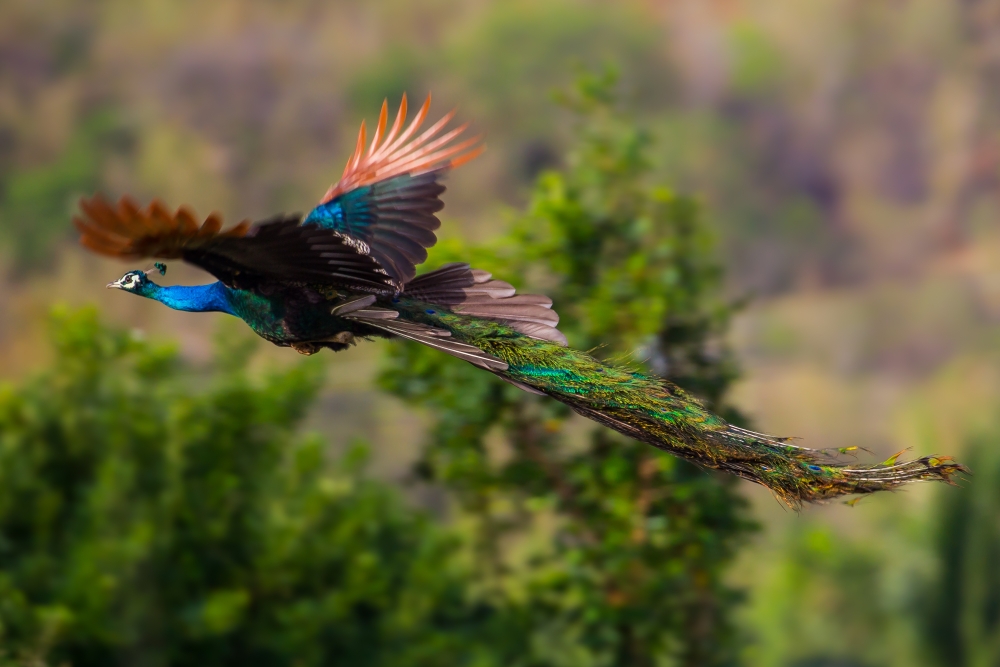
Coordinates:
[115,285]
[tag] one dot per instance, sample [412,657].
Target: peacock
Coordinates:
[347,271]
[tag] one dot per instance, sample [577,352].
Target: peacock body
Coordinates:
[347,271]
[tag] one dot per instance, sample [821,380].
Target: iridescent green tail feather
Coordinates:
[463,312]
[654,411]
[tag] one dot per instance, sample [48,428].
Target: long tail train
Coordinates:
[514,337]
[656,412]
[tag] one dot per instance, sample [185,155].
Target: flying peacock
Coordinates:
[348,271]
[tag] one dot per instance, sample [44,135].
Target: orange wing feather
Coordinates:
[390,155]
[128,232]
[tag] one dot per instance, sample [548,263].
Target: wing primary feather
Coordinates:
[391,155]
[418,120]
[422,163]
[383,115]
[358,152]
[416,147]
[427,134]
[396,126]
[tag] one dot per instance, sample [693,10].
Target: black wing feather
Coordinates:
[281,249]
[391,221]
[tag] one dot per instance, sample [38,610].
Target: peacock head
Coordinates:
[135,282]
[138,282]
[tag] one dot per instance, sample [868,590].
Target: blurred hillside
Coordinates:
[847,152]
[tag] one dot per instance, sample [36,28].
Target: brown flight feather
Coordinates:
[128,232]
[390,155]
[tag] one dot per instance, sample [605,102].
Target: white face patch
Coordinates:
[130,281]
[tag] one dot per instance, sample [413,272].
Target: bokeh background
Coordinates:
[845,157]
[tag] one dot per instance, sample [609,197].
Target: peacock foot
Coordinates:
[344,338]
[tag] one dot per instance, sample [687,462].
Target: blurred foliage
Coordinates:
[35,203]
[827,600]
[961,609]
[142,523]
[920,591]
[634,574]
[757,64]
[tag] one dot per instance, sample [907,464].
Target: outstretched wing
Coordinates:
[384,204]
[278,249]
[371,229]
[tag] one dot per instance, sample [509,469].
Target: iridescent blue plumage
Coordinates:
[328,216]
[212,298]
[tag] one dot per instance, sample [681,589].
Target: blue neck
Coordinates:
[195,298]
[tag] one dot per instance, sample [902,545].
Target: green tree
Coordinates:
[613,550]
[144,524]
